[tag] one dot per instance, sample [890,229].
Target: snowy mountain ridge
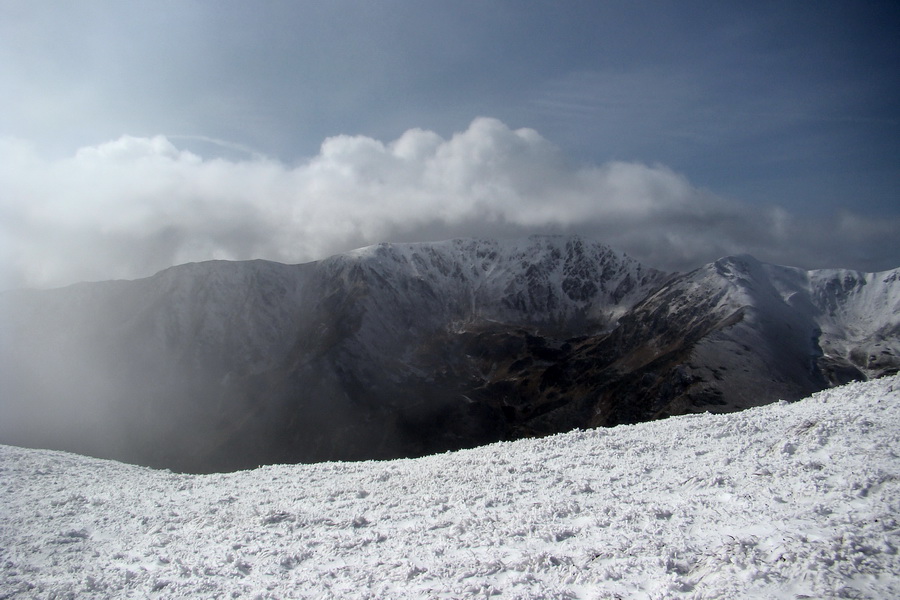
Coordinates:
[790,500]
[565,284]
[406,349]
[853,317]
[543,278]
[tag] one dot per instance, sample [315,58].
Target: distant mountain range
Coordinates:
[408,349]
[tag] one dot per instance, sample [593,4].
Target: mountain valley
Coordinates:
[401,350]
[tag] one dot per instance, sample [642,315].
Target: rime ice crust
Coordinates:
[788,500]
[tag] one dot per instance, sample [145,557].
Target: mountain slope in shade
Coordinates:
[724,337]
[408,349]
[794,500]
[223,365]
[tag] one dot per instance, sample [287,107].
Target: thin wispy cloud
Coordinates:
[242,149]
[134,205]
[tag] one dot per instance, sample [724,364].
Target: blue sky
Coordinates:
[783,113]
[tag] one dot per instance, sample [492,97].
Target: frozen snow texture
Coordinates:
[796,500]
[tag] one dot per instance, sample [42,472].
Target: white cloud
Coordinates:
[129,207]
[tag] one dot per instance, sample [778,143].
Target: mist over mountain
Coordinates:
[409,349]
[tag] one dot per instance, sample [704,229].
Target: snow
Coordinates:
[798,500]
[546,272]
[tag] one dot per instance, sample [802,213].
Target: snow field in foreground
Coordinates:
[784,501]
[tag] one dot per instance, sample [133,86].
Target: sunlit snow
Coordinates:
[785,501]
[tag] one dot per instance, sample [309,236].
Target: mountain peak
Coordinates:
[738,267]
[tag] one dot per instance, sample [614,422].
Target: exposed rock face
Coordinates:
[407,349]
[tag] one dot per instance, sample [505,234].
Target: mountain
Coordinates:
[727,336]
[409,349]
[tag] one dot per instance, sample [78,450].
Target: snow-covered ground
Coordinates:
[785,501]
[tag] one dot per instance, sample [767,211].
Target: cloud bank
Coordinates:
[132,206]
